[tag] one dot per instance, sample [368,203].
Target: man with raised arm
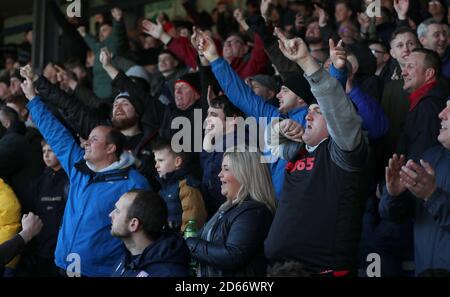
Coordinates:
[318,220]
[98,176]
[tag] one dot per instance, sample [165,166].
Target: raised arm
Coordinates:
[117,42]
[343,122]
[236,90]
[181,46]
[57,136]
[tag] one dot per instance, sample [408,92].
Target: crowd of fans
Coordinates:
[353,111]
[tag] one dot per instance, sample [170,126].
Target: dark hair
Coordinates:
[239,35]
[168,52]
[222,102]
[379,42]
[311,20]
[74,63]
[19,100]
[431,60]
[151,211]
[403,30]
[162,143]
[118,139]
[347,4]
[9,113]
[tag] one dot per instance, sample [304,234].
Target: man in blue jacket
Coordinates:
[138,219]
[98,176]
[423,190]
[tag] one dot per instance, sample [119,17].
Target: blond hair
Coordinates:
[253,175]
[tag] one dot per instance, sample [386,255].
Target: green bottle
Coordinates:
[192,231]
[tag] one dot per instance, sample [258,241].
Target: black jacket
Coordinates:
[422,124]
[19,162]
[232,242]
[80,117]
[9,249]
[166,257]
[48,196]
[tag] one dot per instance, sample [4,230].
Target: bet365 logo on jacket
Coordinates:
[300,165]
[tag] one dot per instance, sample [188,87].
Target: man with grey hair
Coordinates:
[432,35]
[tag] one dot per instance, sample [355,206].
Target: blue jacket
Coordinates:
[86,225]
[374,119]
[168,256]
[253,105]
[432,217]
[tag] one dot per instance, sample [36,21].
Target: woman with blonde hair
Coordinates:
[232,242]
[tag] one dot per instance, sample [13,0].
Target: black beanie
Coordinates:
[298,84]
[192,79]
[137,104]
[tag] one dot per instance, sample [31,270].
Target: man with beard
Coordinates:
[313,37]
[125,118]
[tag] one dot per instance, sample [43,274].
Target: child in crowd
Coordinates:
[179,189]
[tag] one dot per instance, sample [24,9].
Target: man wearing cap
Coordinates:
[163,81]
[294,98]
[98,176]
[266,87]
[186,98]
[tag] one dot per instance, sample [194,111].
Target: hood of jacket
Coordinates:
[168,248]
[126,160]
[174,176]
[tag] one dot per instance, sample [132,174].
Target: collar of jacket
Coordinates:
[168,247]
[418,94]
[18,127]
[197,104]
[97,177]
[296,110]
[174,175]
